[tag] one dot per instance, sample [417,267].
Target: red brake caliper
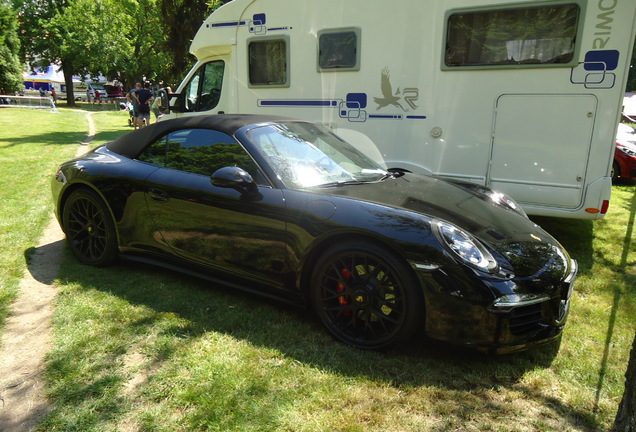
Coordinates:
[344,300]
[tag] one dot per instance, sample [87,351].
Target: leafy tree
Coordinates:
[10,67]
[128,40]
[142,54]
[78,39]
[81,35]
[182,19]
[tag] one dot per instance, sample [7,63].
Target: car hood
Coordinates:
[627,144]
[525,245]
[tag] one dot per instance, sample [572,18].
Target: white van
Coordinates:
[86,90]
[520,96]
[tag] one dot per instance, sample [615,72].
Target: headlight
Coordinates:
[465,247]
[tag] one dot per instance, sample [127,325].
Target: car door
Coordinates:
[216,227]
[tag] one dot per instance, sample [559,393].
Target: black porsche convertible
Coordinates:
[287,209]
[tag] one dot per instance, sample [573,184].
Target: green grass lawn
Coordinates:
[32,144]
[138,348]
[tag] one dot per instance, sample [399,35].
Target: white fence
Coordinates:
[28,102]
[106,103]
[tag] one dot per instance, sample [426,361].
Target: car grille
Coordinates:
[526,319]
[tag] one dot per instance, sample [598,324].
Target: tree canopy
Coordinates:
[127,40]
[10,65]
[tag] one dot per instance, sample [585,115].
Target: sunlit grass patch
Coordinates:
[32,142]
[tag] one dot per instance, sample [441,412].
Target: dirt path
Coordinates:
[27,336]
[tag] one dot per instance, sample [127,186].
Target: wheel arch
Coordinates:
[68,190]
[322,245]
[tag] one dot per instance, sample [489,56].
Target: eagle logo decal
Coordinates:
[387,92]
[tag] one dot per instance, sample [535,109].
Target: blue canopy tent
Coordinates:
[52,78]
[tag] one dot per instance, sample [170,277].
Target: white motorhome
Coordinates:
[520,96]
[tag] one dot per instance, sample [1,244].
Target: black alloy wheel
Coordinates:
[366,296]
[89,228]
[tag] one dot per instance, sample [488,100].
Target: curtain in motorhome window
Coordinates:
[512,37]
[268,62]
[339,50]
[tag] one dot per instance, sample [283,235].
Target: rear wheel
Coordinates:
[89,228]
[616,171]
[366,296]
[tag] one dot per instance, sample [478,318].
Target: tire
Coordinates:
[616,171]
[89,228]
[366,296]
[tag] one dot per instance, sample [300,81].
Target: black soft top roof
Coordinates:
[133,143]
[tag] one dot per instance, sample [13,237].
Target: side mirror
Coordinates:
[170,101]
[235,178]
[164,106]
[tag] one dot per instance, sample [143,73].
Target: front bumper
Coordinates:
[508,323]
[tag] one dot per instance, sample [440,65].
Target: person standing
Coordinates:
[145,98]
[158,101]
[131,97]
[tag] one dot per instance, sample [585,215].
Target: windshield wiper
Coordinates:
[341,183]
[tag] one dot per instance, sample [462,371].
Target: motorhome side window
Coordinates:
[203,91]
[268,60]
[339,50]
[512,37]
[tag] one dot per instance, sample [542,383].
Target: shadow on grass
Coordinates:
[577,236]
[56,138]
[461,377]
[456,376]
[110,135]
[622,267]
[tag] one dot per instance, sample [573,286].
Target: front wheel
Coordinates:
[89,228]
[366,296]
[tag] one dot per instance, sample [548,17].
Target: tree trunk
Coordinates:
[626,415]
[69,70]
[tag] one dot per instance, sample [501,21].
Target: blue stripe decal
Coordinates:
[352,108]
[398,117]
[299,103]
[229,24]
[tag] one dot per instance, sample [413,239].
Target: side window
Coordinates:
[267,62]
[520,37]
[156,153]
[339,50]
[203,92]
[200,151]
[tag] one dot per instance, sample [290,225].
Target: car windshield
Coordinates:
[306,155]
